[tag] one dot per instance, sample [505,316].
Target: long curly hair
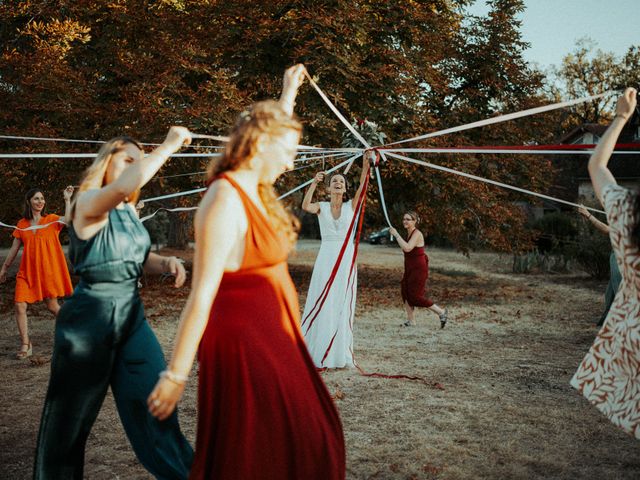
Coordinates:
[266,117]
[95,175]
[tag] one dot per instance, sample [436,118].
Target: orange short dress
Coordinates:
[43,269]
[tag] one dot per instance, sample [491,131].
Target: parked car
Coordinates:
[381,237]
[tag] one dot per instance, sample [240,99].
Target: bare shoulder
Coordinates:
[221,206]
[83,200]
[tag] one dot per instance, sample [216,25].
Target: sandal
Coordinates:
[407,324]
[443,318]
[22,353]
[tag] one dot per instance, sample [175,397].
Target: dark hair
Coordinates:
[345,195]
[27,212]
[635,231]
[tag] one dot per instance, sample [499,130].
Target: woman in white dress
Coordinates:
[327,321]
[609,375]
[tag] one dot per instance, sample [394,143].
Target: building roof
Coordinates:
[580,130]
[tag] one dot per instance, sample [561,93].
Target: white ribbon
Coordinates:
[178,209]
[34,227]
[336,111]
[172,195]
[350,159]
[93,155]
[75,140]
[379,180]
[486,180]
[504,118]
[502,150]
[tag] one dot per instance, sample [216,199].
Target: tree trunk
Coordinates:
[180,227]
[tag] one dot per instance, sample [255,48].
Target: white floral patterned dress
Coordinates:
[609,375]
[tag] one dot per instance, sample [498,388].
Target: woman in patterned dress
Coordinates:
[609,375]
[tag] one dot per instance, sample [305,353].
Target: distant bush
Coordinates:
[591,253]
[564,243]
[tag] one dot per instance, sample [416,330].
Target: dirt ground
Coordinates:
[504,361]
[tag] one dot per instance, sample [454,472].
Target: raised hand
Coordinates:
[67,193]
[293,78]
[626,104]
[178,136]
[583,211]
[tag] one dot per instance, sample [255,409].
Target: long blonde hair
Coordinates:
[263,118]
[95,175]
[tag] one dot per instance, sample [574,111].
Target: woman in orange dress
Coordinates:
[263,410]
[43,273]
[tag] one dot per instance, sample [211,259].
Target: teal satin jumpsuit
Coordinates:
[102,339]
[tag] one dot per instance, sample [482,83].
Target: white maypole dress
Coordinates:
[327,322]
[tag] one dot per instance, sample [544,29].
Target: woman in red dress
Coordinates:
[263,410]
[416,271]
[43,274]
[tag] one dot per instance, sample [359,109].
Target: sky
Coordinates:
[552,27]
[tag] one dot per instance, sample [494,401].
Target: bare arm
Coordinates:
[67,193]
[97,203]
[414,241]
[603,227]
[600,174]
[157,264]
[293,78]
[216,233]
[13,251]
[307,205]
[368,156]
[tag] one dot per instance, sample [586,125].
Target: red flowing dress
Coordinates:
[416,274]
[263,410]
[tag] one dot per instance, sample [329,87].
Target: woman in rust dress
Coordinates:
[416,271]
[263,410]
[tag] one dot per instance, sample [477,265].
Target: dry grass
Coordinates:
[505,360]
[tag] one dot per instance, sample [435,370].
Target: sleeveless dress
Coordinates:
[263,410]
[609,375]
[102,339]
[416,274]
[328,326]
[43,269]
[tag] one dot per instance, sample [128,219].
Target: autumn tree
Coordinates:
[92,70]
[588,70]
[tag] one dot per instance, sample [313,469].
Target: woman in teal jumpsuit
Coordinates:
[102,338]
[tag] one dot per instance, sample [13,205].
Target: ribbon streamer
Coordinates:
[486,180]
[379,181]
[75,140]
[178,209]
[504,118]
[350,159]
[336,111]
[523,151]
[33,227]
